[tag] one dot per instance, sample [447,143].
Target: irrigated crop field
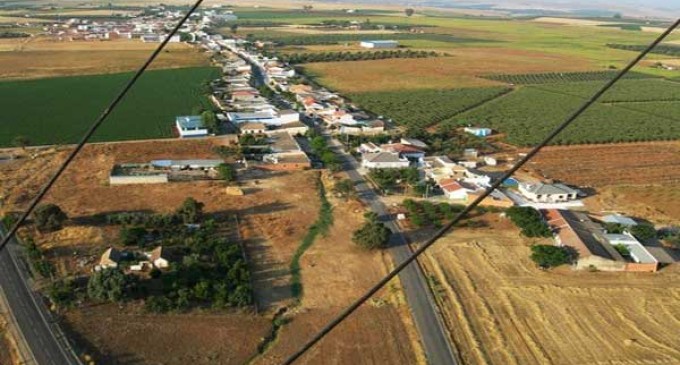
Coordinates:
[58,110]
[40,57]
[503,310]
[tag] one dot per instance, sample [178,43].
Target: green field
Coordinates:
[529,113]
[423,108]
[297,39]
[59,110]
[623,91]
[558,77]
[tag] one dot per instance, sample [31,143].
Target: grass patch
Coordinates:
[320,227]
[59,110]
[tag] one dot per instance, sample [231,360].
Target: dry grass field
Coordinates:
[458,71]
[43,57]
[273,219]
[503,310]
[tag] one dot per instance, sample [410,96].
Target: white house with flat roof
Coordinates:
[547,193]
[384,160]
[379,44]
[191,126]
[619,219]
[638,252]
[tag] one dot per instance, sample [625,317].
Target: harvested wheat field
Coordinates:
[46,57]
[612,164]
[656,203]
[334,273]
[457,71]
[501,309]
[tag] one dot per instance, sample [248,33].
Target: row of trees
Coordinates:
[666,49]
[529,221]
[295,58]
[321,149]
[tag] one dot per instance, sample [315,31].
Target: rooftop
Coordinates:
[619,219]
[383,157]
[548,189]
[577,231]
[190,122]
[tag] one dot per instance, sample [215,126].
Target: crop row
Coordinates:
[58,110]
[559,77]
[666,49]
[321,39]
[295,58]
[423,108]
[623,91]
[528,114]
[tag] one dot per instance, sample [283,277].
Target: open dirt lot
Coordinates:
[334,273]
[274,215]
[43,57]
[456,71]
[503,310]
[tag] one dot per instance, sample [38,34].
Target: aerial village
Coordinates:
[267,105]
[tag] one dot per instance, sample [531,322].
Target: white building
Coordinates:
[379,44]
[479,132]
[547,193]
[289,116]
[191,126]
[619,219]
[453,190]
[384,160]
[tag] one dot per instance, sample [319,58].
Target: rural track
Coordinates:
[424,309]
[34,320]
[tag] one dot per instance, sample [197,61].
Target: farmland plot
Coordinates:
[58,110]
[623,91]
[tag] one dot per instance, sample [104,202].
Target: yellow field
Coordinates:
[40,57]
[503,310]
[459,70]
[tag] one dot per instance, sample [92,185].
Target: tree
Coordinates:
[132,236]
[107,285]
[233,28]
[617,16]
[49,217]
[643,231]
[547,256]
[227,172]
[21,141]
[529,221]
[372,234]
[62,293]
[191,211]
[344,188]
[210,121]
[409,12]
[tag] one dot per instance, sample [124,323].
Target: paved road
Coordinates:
[423,307]
[32,318]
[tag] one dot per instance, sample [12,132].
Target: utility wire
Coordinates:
[98,122]
[354,306]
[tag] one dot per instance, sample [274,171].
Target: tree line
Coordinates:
[296,58]
[665,49]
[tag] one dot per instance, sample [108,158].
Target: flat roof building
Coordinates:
[379,44]
[191,126]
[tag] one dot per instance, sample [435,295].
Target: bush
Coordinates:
[49,217]
[643,231]
[191,211]
[372,234]
[529,220]
[158,304]
[62,293]
[226,172]
[132,236]
[108,285]
[547,256]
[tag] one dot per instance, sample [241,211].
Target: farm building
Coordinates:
[414,142]
[159,257]
[547,193]
[267,118]
[293,128]
[638,252]
[252,128]
[163,171]
[368,147]
[453,190]
[479,132]
[592,246]
[379,44]
[289,116]
[109,259]
[191,126]
[384,160]
[404,150]
[177,165]
[619,219]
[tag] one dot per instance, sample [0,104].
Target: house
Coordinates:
[547,193]
[368,147]
[414,142]
[490,161]
[404,150]
[619,219]
[191,126]
[585,238]
[453,190]
[252,128]
[159,257]
[479,132]
[294,128]
[379,44]
[384,160]
[109,260]
[289,116]
[245,95]
[180,165]
[267,118]
[470,153]
[637,251]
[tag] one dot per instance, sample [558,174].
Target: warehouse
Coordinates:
[379,44]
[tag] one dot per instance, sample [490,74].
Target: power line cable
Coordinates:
[98,122]
[356,304]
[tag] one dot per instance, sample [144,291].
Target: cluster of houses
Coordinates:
[595,248]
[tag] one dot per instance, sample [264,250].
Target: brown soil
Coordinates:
[459,70]
[37,58]
[503,310]
[127,336]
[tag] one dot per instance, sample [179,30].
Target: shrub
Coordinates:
[108,285]
[547,256]
[191,211]
[132,236]
[372,234]
[226,172]
[49,217]
[643,231]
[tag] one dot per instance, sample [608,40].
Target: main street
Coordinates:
[32,317]
[425,312]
